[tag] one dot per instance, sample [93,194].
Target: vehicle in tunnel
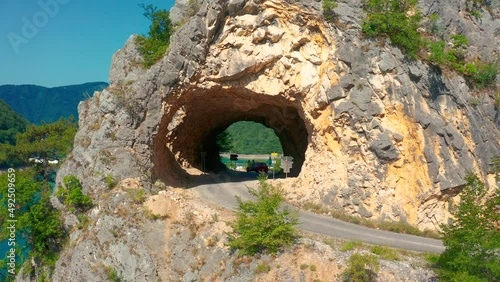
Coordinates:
[257,167]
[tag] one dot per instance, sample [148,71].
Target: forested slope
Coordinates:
[10,123]
[253,138]
[38,103]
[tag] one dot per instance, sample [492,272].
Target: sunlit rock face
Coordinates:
[373,133]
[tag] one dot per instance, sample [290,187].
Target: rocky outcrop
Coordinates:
[373,133]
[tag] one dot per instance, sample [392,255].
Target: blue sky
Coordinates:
[62,42]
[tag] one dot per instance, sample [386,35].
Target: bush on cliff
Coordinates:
[71,194]
[395,19]
[154,46]
[328,9]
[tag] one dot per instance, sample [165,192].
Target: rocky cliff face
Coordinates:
[373,133]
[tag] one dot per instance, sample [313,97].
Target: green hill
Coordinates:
[253,138]
[37,103]
[10,123]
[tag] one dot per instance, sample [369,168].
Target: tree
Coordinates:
[224,142]
[263,225]
[472,240]
[37,221]
[43,142]
[154,46]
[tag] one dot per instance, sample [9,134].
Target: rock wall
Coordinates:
[378,135]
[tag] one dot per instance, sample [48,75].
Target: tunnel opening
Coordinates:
[187,137]
[251,142]
[246,137]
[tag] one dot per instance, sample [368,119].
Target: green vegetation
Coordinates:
[253,138]
[37,221]
[395,19]
[136,194]
[263,225]
[112,274]
[399,21]
[110,181]
[474,7]
[385,252]
[479,74]
[361,268]
[224,142]
[472,241]
[328,9]
[495,167]
[45,142]
[453,56]
[71,195]
[431,258]
[351,245]
[37,103]
[11,123]
[262,268]
[84,221]
[154,46]
[277,165]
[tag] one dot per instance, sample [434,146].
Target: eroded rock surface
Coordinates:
[373,133]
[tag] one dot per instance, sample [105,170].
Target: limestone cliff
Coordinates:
[373,133]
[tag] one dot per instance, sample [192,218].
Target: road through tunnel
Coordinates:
[188,131]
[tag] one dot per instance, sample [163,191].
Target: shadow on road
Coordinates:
[226,176]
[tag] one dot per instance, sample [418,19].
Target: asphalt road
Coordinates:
[222,189]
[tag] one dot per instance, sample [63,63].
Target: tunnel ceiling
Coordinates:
[194,119]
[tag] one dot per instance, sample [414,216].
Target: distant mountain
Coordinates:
[10,123]
[38,103]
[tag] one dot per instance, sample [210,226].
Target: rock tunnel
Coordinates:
[193,119]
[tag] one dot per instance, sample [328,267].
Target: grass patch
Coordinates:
[137,195]
[84,221]
[361,268]
[385,252]
[112,274]
[351,245]
[262,268]
[152,216]
[110,181]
